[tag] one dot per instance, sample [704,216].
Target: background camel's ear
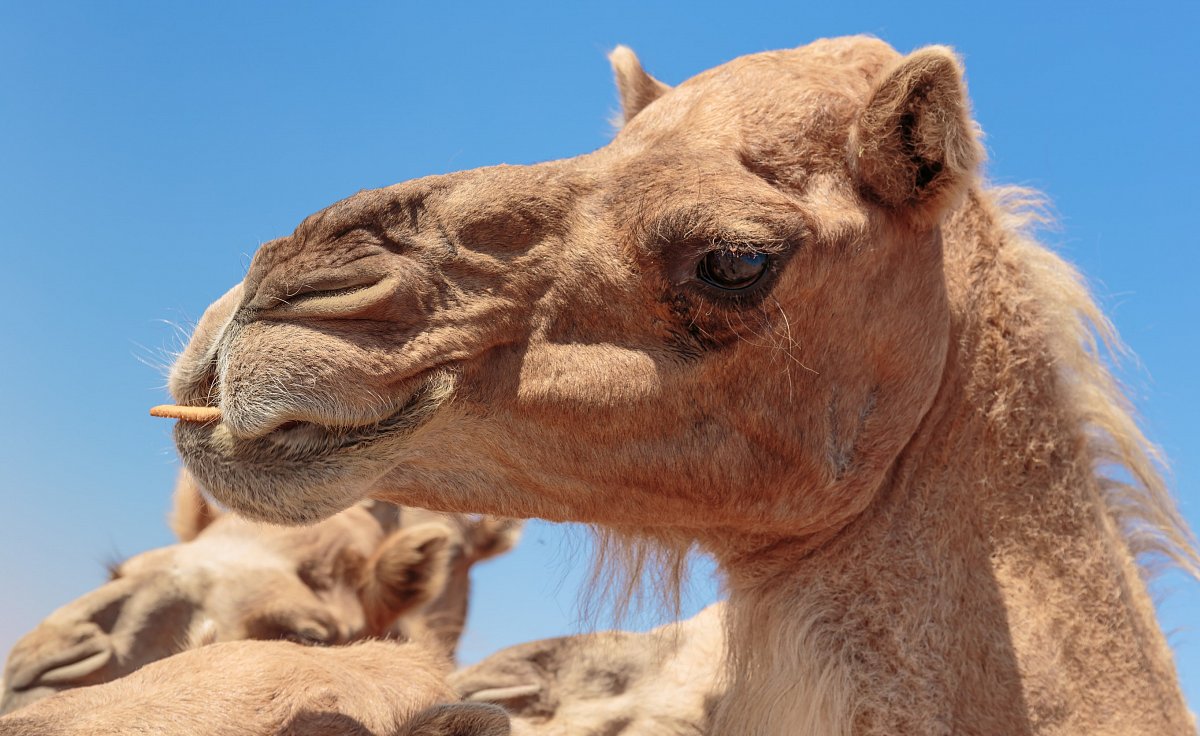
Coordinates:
[914,148]
[191,512]
[459,719]
[387,514]
[636,87]
[409,569]
[489,536]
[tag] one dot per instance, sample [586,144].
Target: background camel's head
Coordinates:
[344,579]
[661,682]
[270,687]
[732,317]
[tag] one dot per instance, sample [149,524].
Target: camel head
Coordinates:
[664,681]
[270,687]
[730,318]
[347,578]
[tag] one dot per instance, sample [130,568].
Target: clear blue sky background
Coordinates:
[146,149]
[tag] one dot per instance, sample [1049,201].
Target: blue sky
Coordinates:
[147,149]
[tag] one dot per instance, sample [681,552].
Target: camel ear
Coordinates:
[492,535]
[636,87]
[409,569]
[191,511]
[459,719]
[914,148]
[387,514]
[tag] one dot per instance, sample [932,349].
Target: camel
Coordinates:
[370,571]
[269,688]
[779,318]
[664,682]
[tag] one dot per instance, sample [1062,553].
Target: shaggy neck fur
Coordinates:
[992,585]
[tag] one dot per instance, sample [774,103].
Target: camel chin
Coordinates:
[303,471]
[253,480]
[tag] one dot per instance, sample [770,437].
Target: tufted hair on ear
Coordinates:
[636,88]
[409,569]
[191,512]
[489,536]
[914,148]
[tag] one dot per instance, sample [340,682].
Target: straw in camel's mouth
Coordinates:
[198,414]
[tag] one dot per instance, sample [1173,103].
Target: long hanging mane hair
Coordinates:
[1128,468]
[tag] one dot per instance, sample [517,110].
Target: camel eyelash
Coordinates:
[112,566]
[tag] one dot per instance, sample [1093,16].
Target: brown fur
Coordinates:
[370,571]
[894,444]
[254,688]
[458,719]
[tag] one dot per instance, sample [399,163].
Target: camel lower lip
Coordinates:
[74,665]
[307,472]
[72,672]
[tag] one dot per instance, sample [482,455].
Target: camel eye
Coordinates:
[307,637]
[731,269]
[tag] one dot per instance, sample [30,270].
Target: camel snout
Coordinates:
[52,657]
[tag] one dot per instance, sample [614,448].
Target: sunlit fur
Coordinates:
[254,688]
[925,493]
[373,570]
[664,682]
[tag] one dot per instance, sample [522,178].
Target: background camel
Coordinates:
[664,682]
[369,571]
[260,688]
[777,317]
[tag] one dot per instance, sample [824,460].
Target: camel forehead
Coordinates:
[776,94]
[233,548]
[353,528]
[222,553]
[836,64]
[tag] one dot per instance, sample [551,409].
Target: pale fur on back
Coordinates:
[250,688]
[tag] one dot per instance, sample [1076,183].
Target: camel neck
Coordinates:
[987,589]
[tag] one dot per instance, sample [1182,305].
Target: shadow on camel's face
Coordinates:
[732,315]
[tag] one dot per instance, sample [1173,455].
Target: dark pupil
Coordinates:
[730,270]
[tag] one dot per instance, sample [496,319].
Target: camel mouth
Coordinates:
[304,440]
[301,472]
[504,695]
[68,667]
[321,439]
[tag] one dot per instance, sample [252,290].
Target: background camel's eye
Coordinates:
[731,269]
